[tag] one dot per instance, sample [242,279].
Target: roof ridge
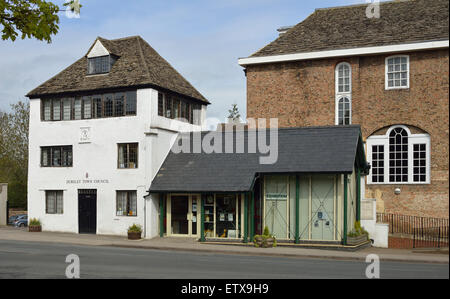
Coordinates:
[360,4]
[141,52]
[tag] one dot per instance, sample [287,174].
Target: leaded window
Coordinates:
[126,204]
[56,156]
[100,65]
[128,155]
[54,202]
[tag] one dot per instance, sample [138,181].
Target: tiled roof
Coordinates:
[346,27]
[312,150]
[139,65]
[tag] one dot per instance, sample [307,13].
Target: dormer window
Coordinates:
[101,64]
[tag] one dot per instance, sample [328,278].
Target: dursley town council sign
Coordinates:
[87,181]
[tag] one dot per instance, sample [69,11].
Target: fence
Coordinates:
[419,231]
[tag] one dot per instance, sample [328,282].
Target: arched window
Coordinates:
[343,77]
[399,157]
[344,111]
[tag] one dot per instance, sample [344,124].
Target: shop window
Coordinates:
[128,155]
[226,215]
[54,202]
[126,204]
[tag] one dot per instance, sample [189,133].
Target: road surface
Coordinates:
[20,259]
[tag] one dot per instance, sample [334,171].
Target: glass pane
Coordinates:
[226,216]
[87,107]
[108,101]
[179,211]
[131,103]
[77,108]
[56,109]
[67,109]
[119,101]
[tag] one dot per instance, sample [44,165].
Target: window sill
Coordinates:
[396,88]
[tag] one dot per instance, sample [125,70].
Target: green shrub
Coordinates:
[266,231]
[34,222]
[358,230]
[135,228]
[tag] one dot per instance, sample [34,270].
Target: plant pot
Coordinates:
[268,242]
[258,241]
[134,235]
[34,228]
[356,240]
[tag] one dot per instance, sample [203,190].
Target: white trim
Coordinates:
[386,77]
[345,52]
[413,139]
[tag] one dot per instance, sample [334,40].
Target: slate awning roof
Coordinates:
[311,150]
[347,27]
[139,65]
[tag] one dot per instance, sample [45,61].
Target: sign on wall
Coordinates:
[85,135]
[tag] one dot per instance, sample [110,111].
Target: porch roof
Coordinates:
[312,150]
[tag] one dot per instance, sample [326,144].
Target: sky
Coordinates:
[201,39]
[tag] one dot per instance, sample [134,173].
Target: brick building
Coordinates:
[390,75]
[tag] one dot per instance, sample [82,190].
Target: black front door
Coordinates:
[87,211]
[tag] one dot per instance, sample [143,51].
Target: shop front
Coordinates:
[305,197]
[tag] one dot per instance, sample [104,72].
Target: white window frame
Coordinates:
[412,139]
[344,94]
[386,73]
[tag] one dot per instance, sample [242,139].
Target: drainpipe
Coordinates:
[358,194]
[252,215]
[161,215]
[246,218]
[297,209]
[345,208]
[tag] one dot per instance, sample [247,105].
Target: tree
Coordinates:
[234,113]
[14,152]
[32,18]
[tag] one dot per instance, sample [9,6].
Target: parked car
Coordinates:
[13,218]
[21,221]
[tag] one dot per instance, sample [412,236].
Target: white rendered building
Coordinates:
[99,132]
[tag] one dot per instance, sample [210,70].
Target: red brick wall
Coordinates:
[303,94]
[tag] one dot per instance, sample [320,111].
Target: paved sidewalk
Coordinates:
[186,244]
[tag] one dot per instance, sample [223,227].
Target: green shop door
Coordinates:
[323,208]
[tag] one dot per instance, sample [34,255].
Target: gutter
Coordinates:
[429,45]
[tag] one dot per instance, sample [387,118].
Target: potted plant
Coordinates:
[34,225]
[266,240]
[134,232]
[358,235]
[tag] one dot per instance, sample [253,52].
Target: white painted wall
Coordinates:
[3,206]
[98,161]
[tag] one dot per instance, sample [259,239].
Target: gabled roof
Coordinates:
[139,65]
[347,27]
[313,150]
